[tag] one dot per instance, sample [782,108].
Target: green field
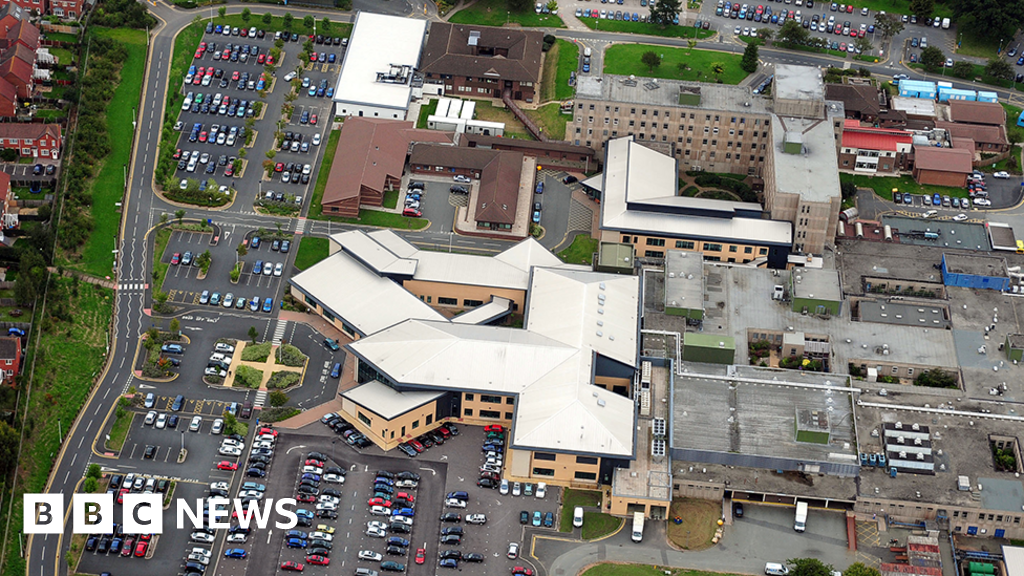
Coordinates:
[644,28]
[496,13]
[550,120]
[581,251]
[311,251]
[163,236]
[971,45]
[70,354]
[883,185]
[573,498]
[425,112]
[624,59]
[107,188]
[596,525]
[316,209]
[559,63]
[390,199]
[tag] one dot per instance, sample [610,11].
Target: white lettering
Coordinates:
[293,518]
[218,510]
[196,517]
[262,515]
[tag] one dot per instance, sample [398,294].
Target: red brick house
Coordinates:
[24,33]
[19,10]
[874,150]
[483,61]
[18,72]
[8,99]
[10,358]
[35,140]
[942,166]
[988,139]
[984,113]
[67,8]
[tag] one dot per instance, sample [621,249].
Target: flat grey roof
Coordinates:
[976,265]
[907,314]
[684,280]
[812,174]
[722,97]
[895,260]
[798,82]
[965,235]
[387,402]
[1016,340]
[1001,236]
[819,284]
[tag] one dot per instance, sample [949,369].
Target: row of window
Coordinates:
[549,457]
[664,126]
[682,115]
[691,245]
[491,399]
[591,476]
[487,414]
[443,301]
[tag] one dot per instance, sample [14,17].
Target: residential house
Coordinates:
[984,113]
[483,61]
[32,140]
[8,99]
[10,358]
[23,33]
[67,8]
[942,166]
[862,102]
[19,72]
[874,150]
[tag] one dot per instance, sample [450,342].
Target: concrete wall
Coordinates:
[960,519]
[938,178]
[314,307]
[621,386]
[430,292]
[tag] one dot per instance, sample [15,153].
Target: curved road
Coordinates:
[142,209]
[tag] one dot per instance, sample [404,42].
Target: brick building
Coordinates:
[983,113]
[862,102]
[987,139]
[483,60]
[942,166]
[34,140]
[562,153]
[10,358]
[874,150]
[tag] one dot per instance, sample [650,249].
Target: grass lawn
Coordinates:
[488,112]
[316,209]
[97,254]
[390,199]
[495,13]
[573,498]
[699,522]
[645,28]
[644,570]
[596,525]
[311,251]
[897,7]
[63,55]
[61,37]
[341,29]
[979,72]
[624,59]
[581,251]
[426,111]
[385,220]
[119,430]
[70,355]
[979,47]
[883,185]
[550,119]
[568,61]
[1010,164]
[1012,113]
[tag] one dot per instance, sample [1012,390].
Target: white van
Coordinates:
[775,569]
[577,517]
[587,52]
[945,23]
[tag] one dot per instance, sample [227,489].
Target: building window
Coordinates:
[490,414]
[508,415]
[543,472]
[654,254]
[586,476]
[544,456]
[586,460]
[712,247]
[467,302]
[447,301]
[364,419]
[684,244]
[469,397]
[655,241]
[415,424]
[509,400]
[468,411]
[490,399]
[732,248]
[748,250]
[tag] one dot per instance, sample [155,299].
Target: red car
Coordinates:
[120,495]
[312,119]
[177,154]
[293,566]
[229,171]
[494,428]
[849,9]
[270,59]
[312,56]
[176,259]
[145,537]
[421,555]
[261,58]
[270,431]
[225,465]
[412,213]
[405,495]
[379,502]
[245,32]
[279,167]
[141,548]
[197,79]
[202,136]
[236,75]
[314,462]
[126,548]
[199,54]
[416,445]
[521,571]
[305,498]
[226,55]
[318,560]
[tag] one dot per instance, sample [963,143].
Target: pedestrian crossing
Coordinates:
[282,326]
[132,286]
[261,399]
[300,225]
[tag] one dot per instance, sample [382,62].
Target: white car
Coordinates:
[203,537]
[476,519]
[150,417]
[376,532]
[376,524]
[513,550]
[312,469]
[229,451]
[407,520]
[517,489]
[195,424]
[161,421]
[219,486]
[204,551]
[251,494]
[577,517]
[960,217]
[454,503]
[236,538]
[278,269]
[326,506]
[328,498]
[204,560]
[232,442]
[222,347]
[218,426]
[264,444]
[542,489]
[949,62]
[321,536]
[1001,175]
[493,462]
[370,555]
[406,484]
[462,178]
[316,139]
[214,371]
[982,202]
[334,478]
[380,511]
[490,468]
[504,487]
[289,76]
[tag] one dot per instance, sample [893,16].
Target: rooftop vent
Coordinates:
[474,38]
[793,143]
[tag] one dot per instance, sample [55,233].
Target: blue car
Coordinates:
[254,306]
[536,216]
[936,200]
[398,541]
[448,563]
[235,553]
[331,58]
[257,269]
[330,93]
[15,332]
[295,534]
[536,518]
[303,513]
[255,242]
[268,304]
[586,67]
[172,348]
[404,512]
[219,29]
[1020,61]
[336,370]
[300,543]
[636,17]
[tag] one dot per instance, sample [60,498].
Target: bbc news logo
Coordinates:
[144,513]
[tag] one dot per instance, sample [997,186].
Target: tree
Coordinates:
[31,276]
[988,18]
[325,24]
[922,8]
[94,471]
[793,33]
[717,68]
[690,45]
[175,325]
[860,569]
[242,249]
[809,567]
[932,58]
[863,44]
[286,20]
[278,398]
[163,217]
[889,24]
[963,69]
[997,68]
[848,190]
[9,440]
[268,18]
[749,62]
[253,334]
[936,378]
[179,214]
[246,14]
[765,34]
[651,60]
[308,22]
[90,485]
[222,11]
[664,13]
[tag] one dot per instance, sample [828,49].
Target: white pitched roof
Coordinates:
[373,253]
[386,401]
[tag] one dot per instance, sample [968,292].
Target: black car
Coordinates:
[239,530]
[437,438]
[329,514]
[306,489]
[452,530]
[426,441]
[406,475]
[452,428]
[333,469]
[318,551]
[37,169]
[396,551]
[399,528]
[737,509]
[451,540]
[473,557]
[257,465]
[451,517]
[524,517]
[332,492]
[321,544]
[486,483]
[317,456]
[569,179]
[259,459]
[453,554]
[407,449]
[150,452]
